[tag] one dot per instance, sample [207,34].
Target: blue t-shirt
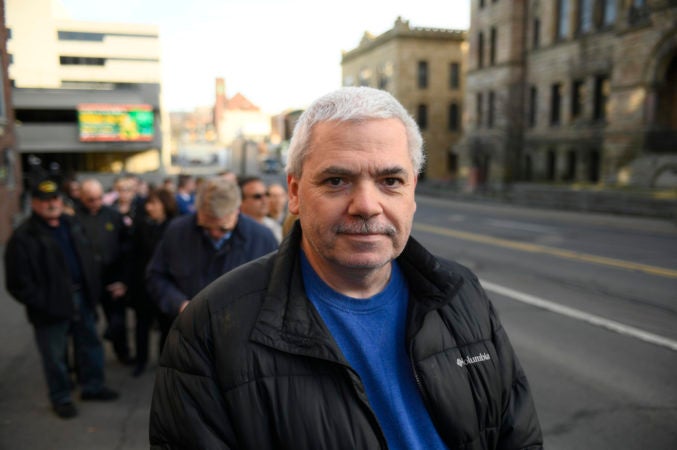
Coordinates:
[370,332]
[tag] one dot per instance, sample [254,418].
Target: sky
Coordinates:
[279,54]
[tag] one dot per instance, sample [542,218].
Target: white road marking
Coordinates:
[581,315]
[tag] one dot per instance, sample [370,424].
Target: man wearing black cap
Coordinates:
[50,268]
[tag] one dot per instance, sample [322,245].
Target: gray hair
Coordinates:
[217,197]
[351,104]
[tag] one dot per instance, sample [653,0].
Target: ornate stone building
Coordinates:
[423,68]
[571,91]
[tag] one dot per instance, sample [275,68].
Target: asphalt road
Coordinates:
[590,303]
[588,300]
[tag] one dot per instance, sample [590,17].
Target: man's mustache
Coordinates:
[366,227]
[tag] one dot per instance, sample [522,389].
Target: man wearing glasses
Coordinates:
[256,204]
[197,248]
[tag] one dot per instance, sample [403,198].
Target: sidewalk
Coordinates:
[26,418]
[654,203]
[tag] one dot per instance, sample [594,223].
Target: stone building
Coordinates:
[571,91]
[424,69]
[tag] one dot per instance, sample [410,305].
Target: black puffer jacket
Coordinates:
[251,365]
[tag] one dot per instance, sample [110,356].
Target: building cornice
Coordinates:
[402,30]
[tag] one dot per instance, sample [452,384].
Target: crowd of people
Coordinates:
[135,246]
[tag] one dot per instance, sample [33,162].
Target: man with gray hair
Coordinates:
[352,335]
[197,248]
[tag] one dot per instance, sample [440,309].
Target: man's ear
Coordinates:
[293,191]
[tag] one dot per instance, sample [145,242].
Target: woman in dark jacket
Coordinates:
[160,207]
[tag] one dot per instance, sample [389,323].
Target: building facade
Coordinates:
[10,164]
[237,118]
[571,91]
[424,69]
[87,95]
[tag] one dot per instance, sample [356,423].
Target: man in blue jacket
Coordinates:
[197,248]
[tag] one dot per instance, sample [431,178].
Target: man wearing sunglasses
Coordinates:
[256,204]
[197,248]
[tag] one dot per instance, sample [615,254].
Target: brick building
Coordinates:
[424,69]
[10,167]
[571,91]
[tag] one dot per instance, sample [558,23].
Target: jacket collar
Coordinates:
[289,322]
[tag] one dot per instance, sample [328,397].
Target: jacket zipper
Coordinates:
[372,414]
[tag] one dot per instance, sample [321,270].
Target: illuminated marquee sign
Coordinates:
[115,123]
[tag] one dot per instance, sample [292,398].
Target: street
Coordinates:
[588,301]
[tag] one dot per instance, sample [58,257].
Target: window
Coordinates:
[533,105]
[492,109]
[585,16]
[481,4]
[3,104]
[9,33]
[480,50]
[81,61]
[453,117]
[536,33]
[454,75]
[364,77]
[382,82]
[602,89]
[385,75]
[452,162]
[577,98]
[593,166]
[479,101]
[555,103]
[551,165]
[422,74]
[609,12]
[570,174]
[492,46]
[422,116]
[98,37]
[46,115]
[80,36]
[562,19]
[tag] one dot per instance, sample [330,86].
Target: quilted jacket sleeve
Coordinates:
[187,410]
[159,282]
[18,275]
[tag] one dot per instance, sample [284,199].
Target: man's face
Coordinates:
[48,209]
[217,227]
[92,199]
[254,200]
[355,198]
[126,190]
[277,197]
